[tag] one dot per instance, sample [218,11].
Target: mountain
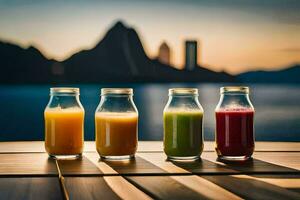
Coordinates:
[23,65]
[118,57]
[288,75]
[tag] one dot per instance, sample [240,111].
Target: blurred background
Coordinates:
[150,46]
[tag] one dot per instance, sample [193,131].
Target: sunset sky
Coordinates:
[234,35]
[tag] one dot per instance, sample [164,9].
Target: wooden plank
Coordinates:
[106,169]
[34,147]
[286,159]
[256,166]
[30,188]
[205,187]
[118,184]
[295,190]
[144,146]
[196,167]
[159,159]
[167,187]
[249,188]
[147,163]
[209,165]
[156,164]
[263,162]
[290,182]
[209,146]
[82,188]
[78,167]
[27,164]
[22,147]
[277,146]
[134,166]
[124,189]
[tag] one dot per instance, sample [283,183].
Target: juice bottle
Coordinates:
[183,125]
[116,124]
[64,123]
[234,124]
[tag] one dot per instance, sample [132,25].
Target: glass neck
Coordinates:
[116,103]
[183,99]
[65,97]
[64,101]
[185,102]
[117,97]
[187,96]
[235,95]
[235,100]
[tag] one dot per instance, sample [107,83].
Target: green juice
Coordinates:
[183,133]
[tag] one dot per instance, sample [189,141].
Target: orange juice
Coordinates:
[64,131]
[116,133]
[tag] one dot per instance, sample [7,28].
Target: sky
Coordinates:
[233,35]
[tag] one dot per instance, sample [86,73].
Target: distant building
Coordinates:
[191,52]
[164,53]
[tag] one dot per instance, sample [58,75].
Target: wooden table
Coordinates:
[26,172]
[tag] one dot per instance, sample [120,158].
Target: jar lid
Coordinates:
[183,91]
[234,89]
[128,91]
[64,90]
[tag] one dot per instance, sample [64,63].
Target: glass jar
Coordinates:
[183,125]
[64,123]
[116,124]
[234,124]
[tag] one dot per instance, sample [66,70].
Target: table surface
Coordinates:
[26,172]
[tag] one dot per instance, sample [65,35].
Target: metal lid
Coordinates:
[64,90]
[183,91]
[128,91]
[234,89]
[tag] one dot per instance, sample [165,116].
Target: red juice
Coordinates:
[234,132]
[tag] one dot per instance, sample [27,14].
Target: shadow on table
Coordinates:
[256,166]
[250,188]
[253,166]
[78,167]
[202,166]
[134,166]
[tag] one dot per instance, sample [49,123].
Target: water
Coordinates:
[277,110]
